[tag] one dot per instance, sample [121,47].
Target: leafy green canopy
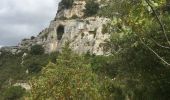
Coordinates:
[72,78]
[141,39]
[92,8]
[37,50]
[10,68]
[67,3]
[14,93]
[13,67]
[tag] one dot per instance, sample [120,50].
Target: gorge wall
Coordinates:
[70,25]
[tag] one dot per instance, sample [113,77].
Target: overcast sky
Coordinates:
[24,18]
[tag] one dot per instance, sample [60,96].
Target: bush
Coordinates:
[32,37]
[37,50]
[10,68]
[34,68]
[91,8]
[53,57]
[67,3]
[13,93]
[71,78]
[102,65]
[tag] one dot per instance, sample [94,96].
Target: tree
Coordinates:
[91,8]
[32,37]
[14,93]
[72,78]
[37,50]
[67,3]
[34,68]
[69,78]
[141,31]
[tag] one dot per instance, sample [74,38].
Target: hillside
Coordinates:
[93,50]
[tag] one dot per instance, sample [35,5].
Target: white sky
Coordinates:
[23,18]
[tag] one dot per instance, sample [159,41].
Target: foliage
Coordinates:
[74,17]
[72,78]
[53,57]
[105,29]
[67,3]
[37,50]
[69,78]
[140,39]
[34,63]
[108,10]
[137,69]
[91,8]
[103,65]
[34,68]
[14,93]
[32,37]
[10,68]
[13,67]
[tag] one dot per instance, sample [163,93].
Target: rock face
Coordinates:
[70,25]
[12,49]
[26,86]
[75,11]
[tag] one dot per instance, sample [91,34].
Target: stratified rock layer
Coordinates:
[70,25]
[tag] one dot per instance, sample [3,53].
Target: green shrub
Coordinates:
[67,3]
[37,50]
[34,63]
[10,68]
[69,78]
[91,8]
[105,29]
[104,66]
[32,37]
[53,57]
[74,17]
[14,93]
[34,68]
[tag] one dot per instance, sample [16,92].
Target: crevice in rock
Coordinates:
[60,32]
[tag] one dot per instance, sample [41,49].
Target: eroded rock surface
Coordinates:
[83,33]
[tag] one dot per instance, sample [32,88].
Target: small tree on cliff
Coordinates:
[67,3]
[37,50]
[91,8]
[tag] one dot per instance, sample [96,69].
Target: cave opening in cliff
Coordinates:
[60,32]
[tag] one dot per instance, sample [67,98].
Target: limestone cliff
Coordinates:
[70,25]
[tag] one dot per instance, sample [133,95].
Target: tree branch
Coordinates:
[159,57]
[159,21]
[158,44]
